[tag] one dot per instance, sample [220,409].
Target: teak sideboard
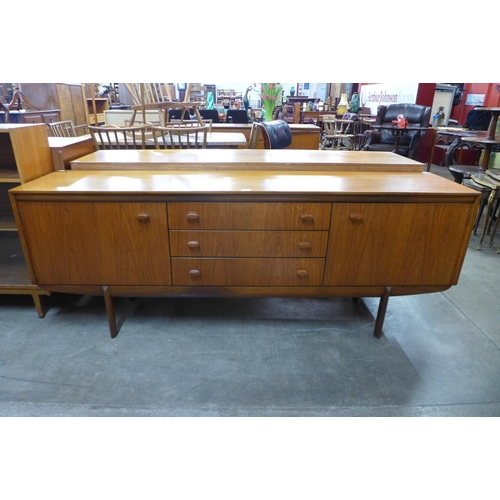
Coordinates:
[244,232]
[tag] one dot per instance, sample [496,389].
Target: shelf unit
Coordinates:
[228,97]
[101,105]
[24,155]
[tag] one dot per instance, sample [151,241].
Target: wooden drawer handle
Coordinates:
[302,272]
[307,218]
[356,217]
[194,272]
[304,244]
[193,244]
[142,216]
[192,216]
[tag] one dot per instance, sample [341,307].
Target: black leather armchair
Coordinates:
[275,133]
[383,140]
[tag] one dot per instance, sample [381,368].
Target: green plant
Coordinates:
[270,94]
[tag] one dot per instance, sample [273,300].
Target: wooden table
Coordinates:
[440,135]
[398,133]
[485,140]
[246,231]
[164,107]
[66,149]
[232,140]
[465,141]
[247,159]
[303,136]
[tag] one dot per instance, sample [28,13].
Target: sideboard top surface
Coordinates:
[246,184]
[248,159]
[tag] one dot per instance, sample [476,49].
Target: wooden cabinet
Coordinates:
[342,233]
[24,156]
[67,98]
[45,116]
[128,243]
[303,136]
[400,244]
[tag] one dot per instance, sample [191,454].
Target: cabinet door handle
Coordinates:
[194,272]
[356,217]
[302,272]
[192,216]
[304,244]
[142,216]
[193,244]
[307,218]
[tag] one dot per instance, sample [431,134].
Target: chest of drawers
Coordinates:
[244,233]
[248,244]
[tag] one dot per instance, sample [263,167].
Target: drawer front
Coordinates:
[248,243]
[259,216]
[247,272]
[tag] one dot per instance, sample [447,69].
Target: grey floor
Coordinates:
[439,356]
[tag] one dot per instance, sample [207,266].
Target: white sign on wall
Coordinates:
[474,100]
[372,95]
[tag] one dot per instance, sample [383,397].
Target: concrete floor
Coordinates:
[439,356]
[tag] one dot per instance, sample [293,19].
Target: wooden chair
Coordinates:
[336,131]
[181,135]
[113,137]
[63,128]
[488,183]
[206,122]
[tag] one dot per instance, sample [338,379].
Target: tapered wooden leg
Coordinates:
[382,308]
[38,304]
[110,311]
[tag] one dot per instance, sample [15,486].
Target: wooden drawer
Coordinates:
[259,216]
[247,272]
[248,243]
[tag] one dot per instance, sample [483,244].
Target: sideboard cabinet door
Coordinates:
[104,243]
[389,244]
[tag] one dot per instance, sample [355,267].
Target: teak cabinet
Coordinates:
[24,156]
[319,234]
[67,98]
